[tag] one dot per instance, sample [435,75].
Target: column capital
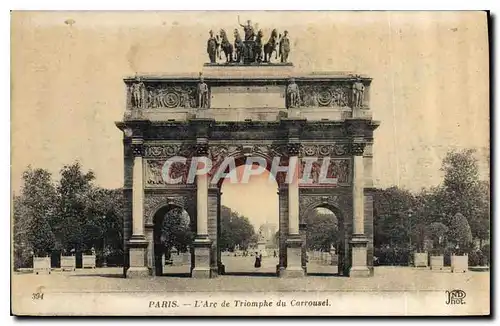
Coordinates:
[137,146]
[202,149]
[357,148]
[293,148]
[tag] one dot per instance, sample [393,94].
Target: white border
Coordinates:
[5,193]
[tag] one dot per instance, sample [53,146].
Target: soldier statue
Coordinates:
[293,96]
[212,46]
[284,47]
[202,94]
[358,93]
[138,91]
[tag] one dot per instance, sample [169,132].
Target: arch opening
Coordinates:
[324,241]
[173,234]
[248,240]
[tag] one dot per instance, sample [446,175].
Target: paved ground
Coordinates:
[386,279]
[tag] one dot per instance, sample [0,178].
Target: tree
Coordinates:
[393,222]
[438,231]
[103,228]
[22,247]
[322,230]
[32,211]
[235,230]
[176,231]
[71,223]
[460,233]
[40,236]
[464,193]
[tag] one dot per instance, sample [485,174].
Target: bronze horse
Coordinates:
[258,47]
[226,46]
[238,46]
[271,46]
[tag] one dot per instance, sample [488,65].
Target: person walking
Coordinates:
[258,259]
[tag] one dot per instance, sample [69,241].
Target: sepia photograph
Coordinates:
[250,163]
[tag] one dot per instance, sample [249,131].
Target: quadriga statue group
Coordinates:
[249,49]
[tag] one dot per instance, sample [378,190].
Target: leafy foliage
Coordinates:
[235,230]
[176,230]
[34,211]
[322,230]
[460,232]
[437,232]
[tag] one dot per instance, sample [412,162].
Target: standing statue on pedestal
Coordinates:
[358,93]
[226,46]
[293,96]
[138,91]
[202,94]
[284,47]
[212,46]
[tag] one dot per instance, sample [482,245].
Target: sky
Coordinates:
[429,91]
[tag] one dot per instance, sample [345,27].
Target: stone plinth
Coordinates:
[236,71]
[202,258]
[294,258]
[359,266]
[137,258]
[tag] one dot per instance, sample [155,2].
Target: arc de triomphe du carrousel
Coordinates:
[248,110]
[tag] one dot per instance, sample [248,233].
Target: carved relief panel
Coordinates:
[156,96]
[326,96]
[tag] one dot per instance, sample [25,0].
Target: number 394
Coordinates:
[37,296]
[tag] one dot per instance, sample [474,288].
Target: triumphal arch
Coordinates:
[244,110]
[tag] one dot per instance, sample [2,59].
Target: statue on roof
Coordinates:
[249,30]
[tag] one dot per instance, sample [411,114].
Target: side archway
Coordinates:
[340,244]
[172,238]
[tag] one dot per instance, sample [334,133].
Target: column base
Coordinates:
[293,258]
[292,272]
[359,272]
[359,266]
[138,272]
[202,246]
[137,258]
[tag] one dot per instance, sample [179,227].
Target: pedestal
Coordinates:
[359,267]
[201,258]
[294,258]
[137,256]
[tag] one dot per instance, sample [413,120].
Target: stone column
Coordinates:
[220,265]
[294,240]
[359,241]
[137,244]
[202,243]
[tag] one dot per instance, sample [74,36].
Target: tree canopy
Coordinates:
[236,229]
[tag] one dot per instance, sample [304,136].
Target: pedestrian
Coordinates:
[258,260]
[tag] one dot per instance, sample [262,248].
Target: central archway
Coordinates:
[254,203]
